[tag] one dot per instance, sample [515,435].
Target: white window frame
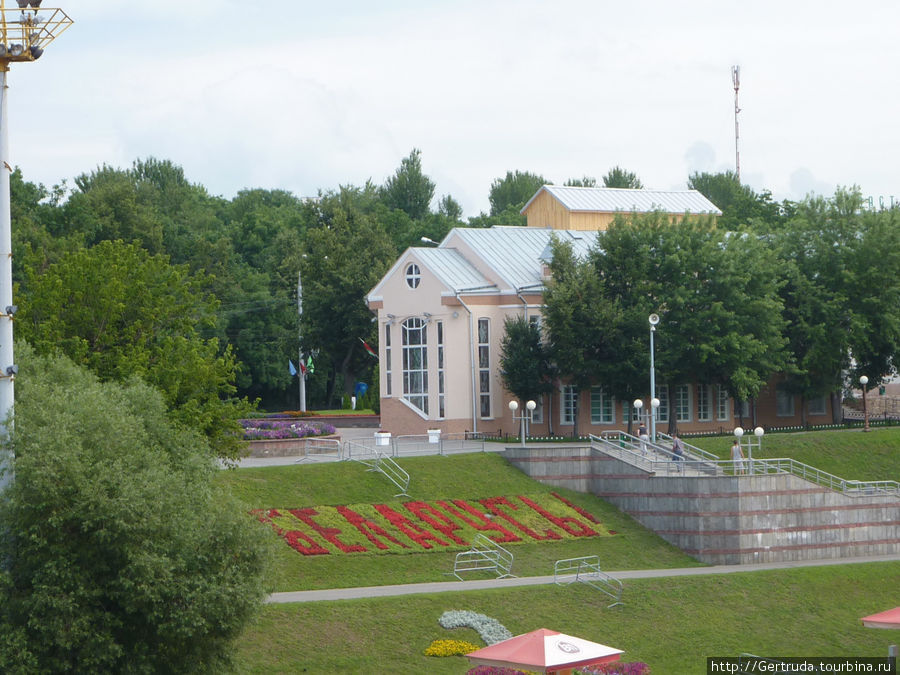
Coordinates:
[662,393]
[484,368]
[784,403]
[817,406]
[704,403]
[604,412]
[537,415]
[682,403]
[387,360]
[415,363]
[568,398]
[413,274]
[722,403]
[442,411]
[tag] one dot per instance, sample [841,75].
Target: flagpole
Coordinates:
[302,374]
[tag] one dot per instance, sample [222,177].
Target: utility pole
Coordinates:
[736,80]
[301,374]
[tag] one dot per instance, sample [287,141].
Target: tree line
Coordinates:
[813,294]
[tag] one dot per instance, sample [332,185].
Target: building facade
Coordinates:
[441,312]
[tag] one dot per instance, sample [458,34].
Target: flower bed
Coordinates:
[417,526]
[277,429]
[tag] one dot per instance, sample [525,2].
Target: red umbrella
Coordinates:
[544,651]
[888,619]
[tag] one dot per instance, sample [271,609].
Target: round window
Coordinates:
[413,275]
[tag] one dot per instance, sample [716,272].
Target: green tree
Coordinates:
[121,555]
[586,181]
[344,255]
[409,189]
[739,204]
[717,296]
[579,322]
[122,313]
[524,360]
[509,194]
[450,208]
[620,178]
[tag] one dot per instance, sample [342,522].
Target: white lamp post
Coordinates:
[758,432]
[24,34]
[527,414]
[863,381]
[653,319]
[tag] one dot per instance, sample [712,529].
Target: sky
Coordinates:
[307,96]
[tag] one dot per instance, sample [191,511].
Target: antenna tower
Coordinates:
[736,80]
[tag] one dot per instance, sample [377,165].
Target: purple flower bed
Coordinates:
[275,429]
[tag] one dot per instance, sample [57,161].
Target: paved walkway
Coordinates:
[482,584]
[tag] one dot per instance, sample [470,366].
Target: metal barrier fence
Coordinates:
[421,444]
[378,461]
[485,555]
[321,449]
[587,570]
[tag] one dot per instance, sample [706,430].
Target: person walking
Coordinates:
[644,436]
[737,456]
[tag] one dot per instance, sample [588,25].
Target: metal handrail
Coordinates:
[321,448]
[689,449]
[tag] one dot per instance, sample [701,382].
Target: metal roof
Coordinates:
[452,268]
[517,254]
[622,200]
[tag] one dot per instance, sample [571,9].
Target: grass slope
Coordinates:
[672,624]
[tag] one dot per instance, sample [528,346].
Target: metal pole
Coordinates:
[736,80]
[6,319]
[652,411]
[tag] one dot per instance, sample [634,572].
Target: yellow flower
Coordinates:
[449,648]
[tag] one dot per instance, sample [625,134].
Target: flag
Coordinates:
[309,365]
[366,346]
[302,368]
[292,368]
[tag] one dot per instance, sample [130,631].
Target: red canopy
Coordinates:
[544,651]
[888,619]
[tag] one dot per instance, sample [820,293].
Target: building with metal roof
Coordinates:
[594,208]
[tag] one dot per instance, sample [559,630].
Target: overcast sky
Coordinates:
[309,95]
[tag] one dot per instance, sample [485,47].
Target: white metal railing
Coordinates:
[587,570]
[624,448]
[438,443]
[321,449]
[378,461]
[484,555]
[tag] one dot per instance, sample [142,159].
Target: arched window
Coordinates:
[415,363]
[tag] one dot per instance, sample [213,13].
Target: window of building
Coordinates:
[387,359]
[568,398]
[704,403]
[683,403]
[415,363]
[603,407]
[742,409]
[784,402]
[440,364]
[662,393]
[537,416]
[484,366]
[721,403]
[413,275]
[817,405]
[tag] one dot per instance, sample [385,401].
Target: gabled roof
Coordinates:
[516,254]
[622,200]
[513,258]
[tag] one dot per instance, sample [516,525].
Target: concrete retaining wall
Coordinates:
[727,519]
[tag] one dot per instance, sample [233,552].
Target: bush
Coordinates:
[122,556]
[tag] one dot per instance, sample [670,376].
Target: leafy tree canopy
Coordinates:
[620,178]
[409,189]
[123,313]
[509,194]
[120,554]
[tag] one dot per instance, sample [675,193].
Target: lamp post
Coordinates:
[653,319]
[25,32]
[863,381]
[758,432]
[527,414]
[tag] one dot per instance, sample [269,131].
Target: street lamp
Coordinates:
[527,414]
[653,320]
[758,432]
[426,240]
[863,380]
[25,31]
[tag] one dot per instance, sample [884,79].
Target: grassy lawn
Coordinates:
[672,624]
